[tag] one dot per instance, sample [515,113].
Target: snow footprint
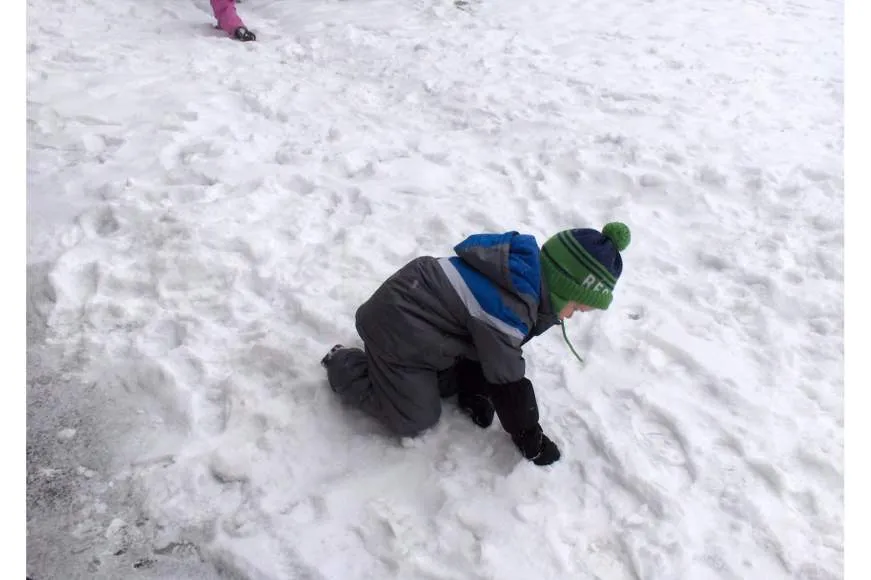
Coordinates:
[99,222]
[609,558]
[395,537]
[306,511]
[660,435]
[765,473]
[161,337]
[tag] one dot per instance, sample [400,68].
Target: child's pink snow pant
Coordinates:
[225,12]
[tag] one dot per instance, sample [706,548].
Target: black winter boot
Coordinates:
[325,361]
[473,393]
[243,34]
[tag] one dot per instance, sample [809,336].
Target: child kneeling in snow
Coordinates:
[456,325]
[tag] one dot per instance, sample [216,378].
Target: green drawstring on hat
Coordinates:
[574,352]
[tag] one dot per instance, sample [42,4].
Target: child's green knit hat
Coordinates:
[583,265]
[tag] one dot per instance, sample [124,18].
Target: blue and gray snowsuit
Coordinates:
[440,326]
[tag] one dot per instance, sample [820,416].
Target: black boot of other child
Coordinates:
[244,34]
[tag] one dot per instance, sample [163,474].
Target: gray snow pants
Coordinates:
[406,400]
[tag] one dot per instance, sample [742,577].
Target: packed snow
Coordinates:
[204,217]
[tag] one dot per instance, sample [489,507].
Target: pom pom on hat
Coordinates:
[618,233]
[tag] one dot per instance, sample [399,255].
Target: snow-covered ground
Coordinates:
[204,216]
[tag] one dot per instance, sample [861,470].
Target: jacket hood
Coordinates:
[511,260]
